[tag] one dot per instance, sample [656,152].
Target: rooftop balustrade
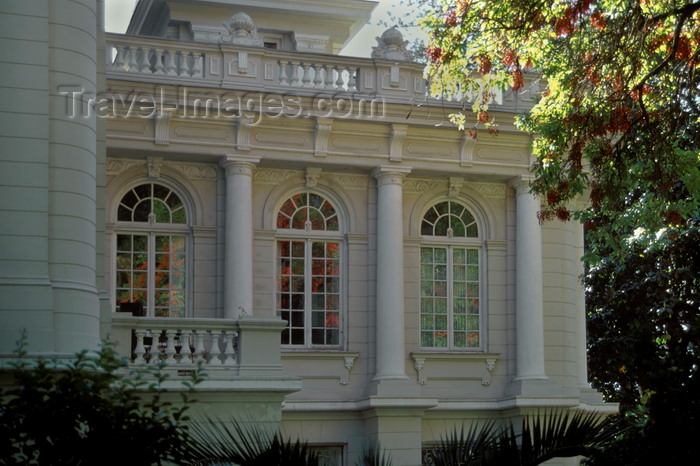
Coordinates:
[233,67]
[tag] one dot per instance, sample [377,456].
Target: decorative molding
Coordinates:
[398,134]
[521,184]
[195,171]
[312,175]
[387,174]
[321,133]
[351,181]
[162,128]
[466,150]
[454,186]
[239,165]
[491,190]
[154,164]
[241,31]
[272,176]
[394,76]
[418,186]
[419,365]
[242,61]
[489,365]
[243,130]
[116,166]
[348,363]
[391,46]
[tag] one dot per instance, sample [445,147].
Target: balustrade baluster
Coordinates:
[170,68]
[352,78]
[199,351]
[158,65]
[317,76]
[306,79]
[229,351]
[295,74]
[119,58]
[340,81]
[133,64]
[170,335]
[215,349]
[140,350]
[329,76]
[283,73]
[197,66]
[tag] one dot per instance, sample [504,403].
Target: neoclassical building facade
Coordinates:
[218,184]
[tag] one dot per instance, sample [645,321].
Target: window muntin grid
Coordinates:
[450,307]
[150,262]
[308,289]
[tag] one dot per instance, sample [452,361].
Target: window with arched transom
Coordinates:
[450,279]
[151,250]
[309,278]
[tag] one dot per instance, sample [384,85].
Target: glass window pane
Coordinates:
[440,256]
[473,306]
[473,273]
[440,306]
[129,200]
[473,339]
[283,221]
[123,261]
[426,272]
[458,255]
[143,191]
[441,339]
[318,302]
[178,216]
[473,322]
[431,215]
[460,339]
[440,288]
[426,288]
[318,319]
[298,336]
[441,272]
[283,248]
[142,210]
[299,220]
[426,322]
[315,200]
[317,220]
[427,339]
[297,301]
[472,289]
[327,209]
[317,250]
[441,226]
[288,208]
[460,322]
[472,256]
[426,228]
[442,208]
[298,249]
[472,231]
[457,228]
[332,250]
[426,255]
[332,224]
[123,214]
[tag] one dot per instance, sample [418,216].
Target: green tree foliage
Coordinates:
[618,120]
[86,411]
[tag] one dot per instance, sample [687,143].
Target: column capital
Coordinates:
[239,164]
[390,174]
[521,184]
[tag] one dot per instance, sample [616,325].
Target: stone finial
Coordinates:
[241,31]
[391,46]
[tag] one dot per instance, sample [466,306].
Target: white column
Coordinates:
[529,306]
[238,261]
[581,354]
[390,292]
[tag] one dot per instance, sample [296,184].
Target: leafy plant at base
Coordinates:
[372,454]
[216,441]
[617,120]
[555,434]
[87,411]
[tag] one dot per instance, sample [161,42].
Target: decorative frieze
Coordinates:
[418,186]
[272,176]
[491,190]
[351,181]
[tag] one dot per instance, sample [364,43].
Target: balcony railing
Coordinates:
[249,345]
[224,66]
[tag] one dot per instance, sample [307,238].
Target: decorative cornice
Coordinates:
[239,165]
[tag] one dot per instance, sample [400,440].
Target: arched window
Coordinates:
[450,308]
[308,271]
[151,243]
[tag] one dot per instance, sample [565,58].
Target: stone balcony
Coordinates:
[256,69]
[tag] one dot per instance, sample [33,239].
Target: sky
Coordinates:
[118,13]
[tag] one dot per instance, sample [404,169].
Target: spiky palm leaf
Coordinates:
[543,436]
[247,444]
[373,455]
[464,450]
